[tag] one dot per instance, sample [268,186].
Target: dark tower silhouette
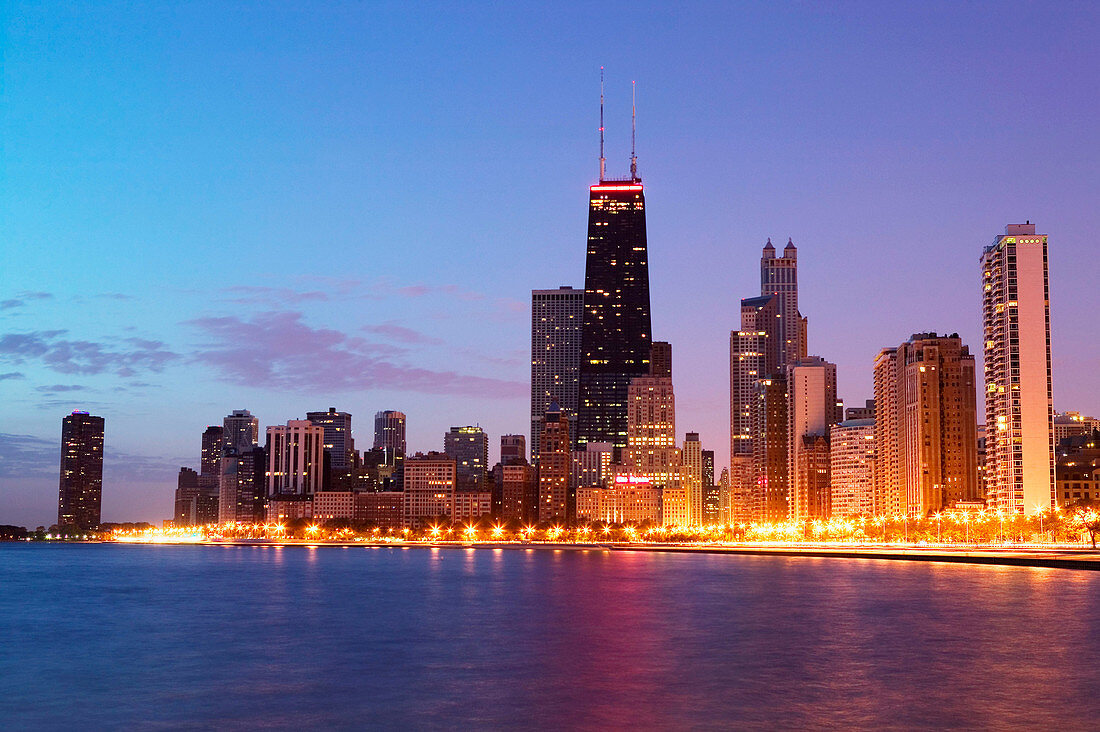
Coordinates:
[615,335]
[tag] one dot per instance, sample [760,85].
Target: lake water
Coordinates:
[156,637]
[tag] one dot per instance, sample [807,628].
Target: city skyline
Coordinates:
[405,353]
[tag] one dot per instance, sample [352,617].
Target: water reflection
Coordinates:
[315,637]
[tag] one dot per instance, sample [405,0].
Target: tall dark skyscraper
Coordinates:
[615,334]
[81,487]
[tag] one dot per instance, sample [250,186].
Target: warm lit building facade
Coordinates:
[926,425]
[812,408]
[295,458]
[471,505]
[383,509]
[1019,410]
[331,505]
[557,501]
[852,468]
[627,500]
[429,489]
[769,484]
[691,476]
[519,492]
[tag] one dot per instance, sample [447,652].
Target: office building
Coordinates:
[429,489]
[616,332]
[81,477]
[469,446]
[519,492]
[240,431]
[295,458]
[769,478]
[194,506]
[213,446]
[1019,412]
[867,411]
[242,486]
[556,318]
[513,450]
[338,443]
[389,432]
[691,476]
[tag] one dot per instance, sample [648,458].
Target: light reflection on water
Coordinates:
[314,636]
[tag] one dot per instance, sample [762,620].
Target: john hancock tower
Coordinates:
[615,335]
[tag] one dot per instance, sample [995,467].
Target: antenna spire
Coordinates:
[603,160]
[633,157]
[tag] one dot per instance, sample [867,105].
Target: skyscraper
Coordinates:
[691,457]
[81,485]
[469,446]
[241,430]
[213,446]
[812,408]
[927,438]
[616,333]
[779,278]
[295,458]
[1019,413]
[557,500]
[769,477]
[338,444]
[241,495]
[556,317]
[429,486]
[389,431]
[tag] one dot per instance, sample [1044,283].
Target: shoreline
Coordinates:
[1052,558]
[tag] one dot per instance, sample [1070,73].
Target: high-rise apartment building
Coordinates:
[852,468]
[592,465]
[389,431]
[616,332]
[1019,411]
[469,446]
[194,506]
[557,499]
[556,318]
[81,483]
[691,457]
[240,431]
[295,458]
[926,425]
[939,421]
[519,492]
[812,408]
[429,489]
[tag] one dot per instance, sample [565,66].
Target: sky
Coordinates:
[285,207]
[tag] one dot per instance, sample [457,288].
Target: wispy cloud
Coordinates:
[279,350]
[23,298]
[274,296]
[401,334]
[12,375]
[60,388]
[124,357]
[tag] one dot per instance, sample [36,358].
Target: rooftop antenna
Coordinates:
[633,157]
[603,160]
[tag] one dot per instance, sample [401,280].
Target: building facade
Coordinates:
[469,446]
[616,332]
[295,458]
[429,489]
[80,492]
[240,430]
[557,500]
[556,318]
[852,468]
[1019,411]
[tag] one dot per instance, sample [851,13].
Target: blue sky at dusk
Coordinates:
[207,207]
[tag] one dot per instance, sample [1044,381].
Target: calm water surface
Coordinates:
[108,636]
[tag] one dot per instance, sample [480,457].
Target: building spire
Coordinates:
[603,160]
[633,157]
